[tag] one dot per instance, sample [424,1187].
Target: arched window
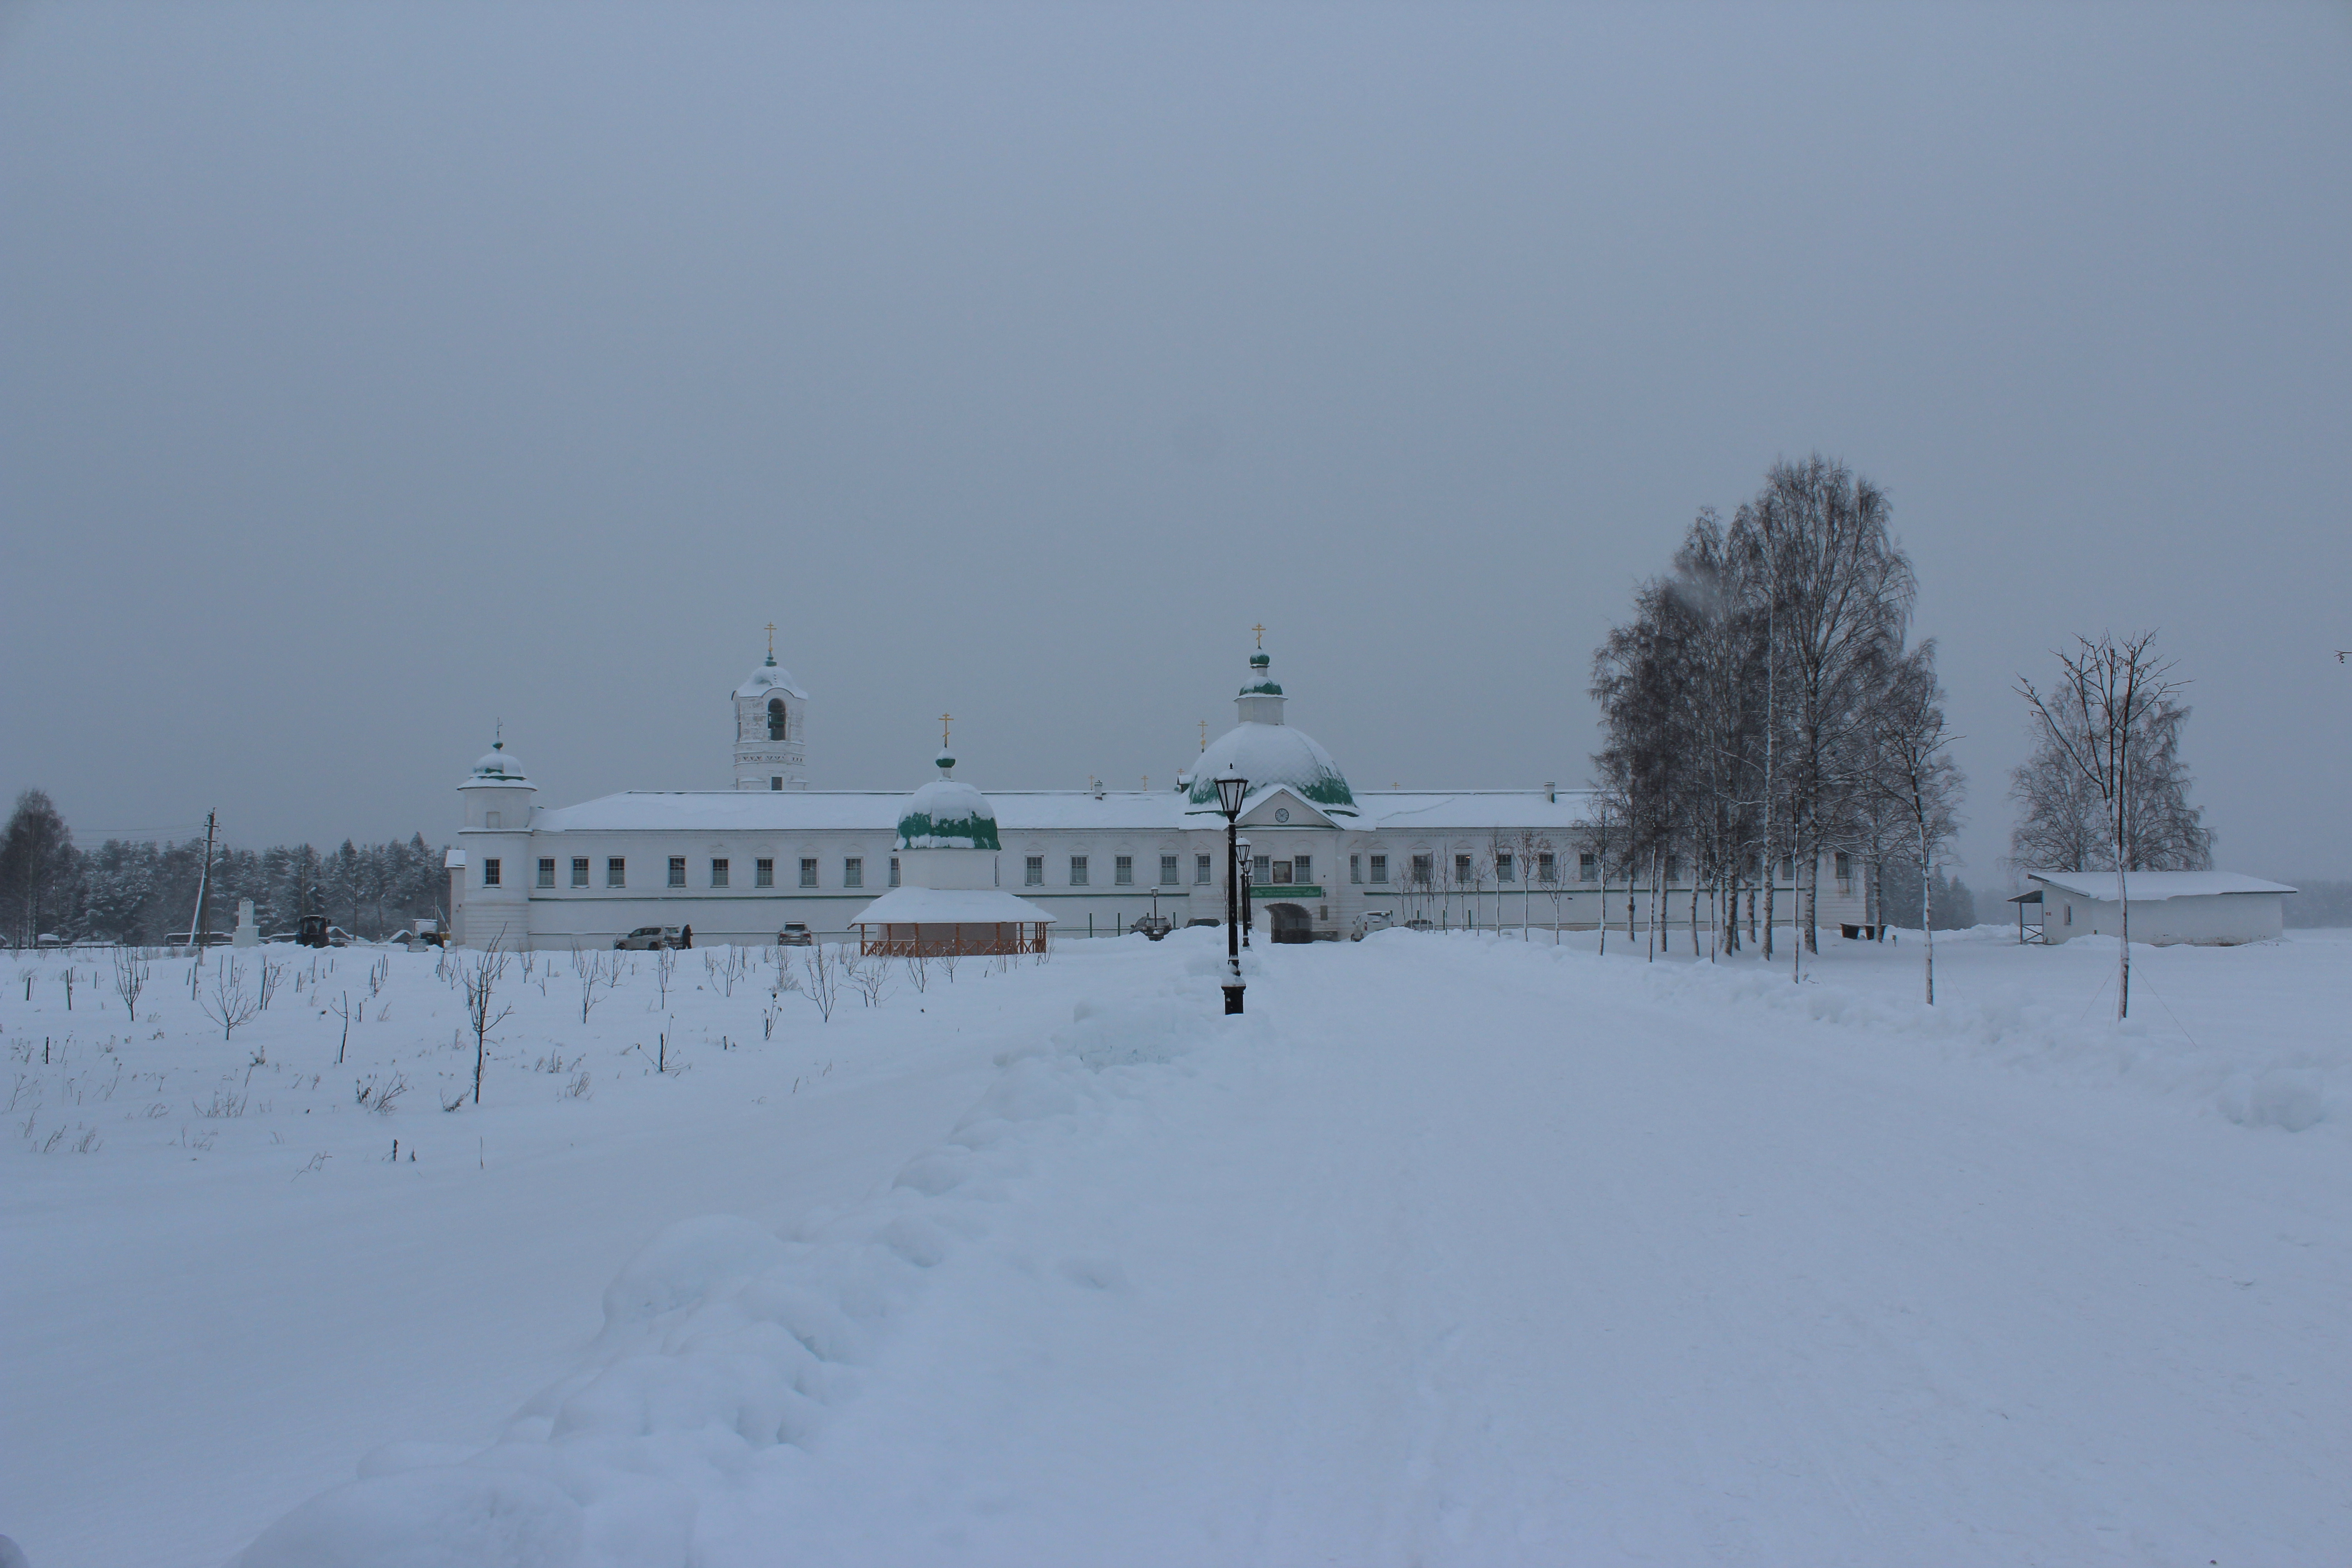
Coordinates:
[775,718]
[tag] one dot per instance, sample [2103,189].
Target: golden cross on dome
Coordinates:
[1260,630]
[772,639]
[1204,734]
[944,720]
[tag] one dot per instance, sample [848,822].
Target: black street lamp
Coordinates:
[1231,790]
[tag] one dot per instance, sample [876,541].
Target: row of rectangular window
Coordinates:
[1507,869]
[1122,872]
[763,872]
[1264,869]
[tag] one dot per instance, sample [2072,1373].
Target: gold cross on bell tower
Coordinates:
[1204,734]
[772,639]
[945,719]
[1260,630]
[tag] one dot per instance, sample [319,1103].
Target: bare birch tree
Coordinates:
[2097,718]
[1918,779]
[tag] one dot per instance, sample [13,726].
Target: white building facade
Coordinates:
[1326,861]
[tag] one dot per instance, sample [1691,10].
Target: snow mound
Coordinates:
[687,1265]
[2293,1099]
[1129,1033]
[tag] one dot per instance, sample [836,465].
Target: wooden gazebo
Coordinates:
[951,922]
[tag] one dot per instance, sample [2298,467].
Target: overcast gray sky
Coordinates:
[372,373]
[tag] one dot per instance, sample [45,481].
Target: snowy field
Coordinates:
[1453,1250]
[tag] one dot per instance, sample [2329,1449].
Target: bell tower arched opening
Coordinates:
[771,731]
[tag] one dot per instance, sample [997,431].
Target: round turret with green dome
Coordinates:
[1266,751]
[947,814]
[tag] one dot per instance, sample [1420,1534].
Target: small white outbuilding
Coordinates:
[2207,909]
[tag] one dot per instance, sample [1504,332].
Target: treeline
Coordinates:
[2320,904]
[1762,707]
[138,893]
[1952,903]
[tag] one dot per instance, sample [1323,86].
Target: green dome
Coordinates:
[1270,756]
[946,814]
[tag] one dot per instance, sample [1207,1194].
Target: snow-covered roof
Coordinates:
[496,766]
[1478,810]
[1269,756]
[2152,887]
[769,677]
[950,906]
[1017,811]
[947,814]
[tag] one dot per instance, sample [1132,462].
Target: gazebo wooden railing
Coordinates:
[930,940]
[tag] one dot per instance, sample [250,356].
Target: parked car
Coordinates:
[1371,921]
[1153,926]
[1419,923]
[794,934]
[649,939]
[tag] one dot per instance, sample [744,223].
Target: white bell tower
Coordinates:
[771,728]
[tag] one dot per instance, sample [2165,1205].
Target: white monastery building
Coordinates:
[1325,861]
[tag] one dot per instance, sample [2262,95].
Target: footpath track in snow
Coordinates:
[1459,1253]
[1454,1249]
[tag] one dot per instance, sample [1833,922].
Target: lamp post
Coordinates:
[1248,875]
[1231,788]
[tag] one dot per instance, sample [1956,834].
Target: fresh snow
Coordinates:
[1456,1249]
[950,906]
[2155,887]
[1271,757]
[1021,811]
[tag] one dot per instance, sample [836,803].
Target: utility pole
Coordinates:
[204,883]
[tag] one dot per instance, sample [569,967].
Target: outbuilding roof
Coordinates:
[2153,887]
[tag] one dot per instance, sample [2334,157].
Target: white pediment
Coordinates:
[1283,808]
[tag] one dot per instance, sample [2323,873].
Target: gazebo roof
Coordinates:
[950,906]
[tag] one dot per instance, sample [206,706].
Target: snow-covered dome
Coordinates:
[1267,751]
[947,814]
[769,677]
[498,766]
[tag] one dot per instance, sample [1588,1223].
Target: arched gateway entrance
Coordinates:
[1289,922]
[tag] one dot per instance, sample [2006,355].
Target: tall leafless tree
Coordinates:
[1917,778]
[1738,699]
[2061,822]
[2099,719]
